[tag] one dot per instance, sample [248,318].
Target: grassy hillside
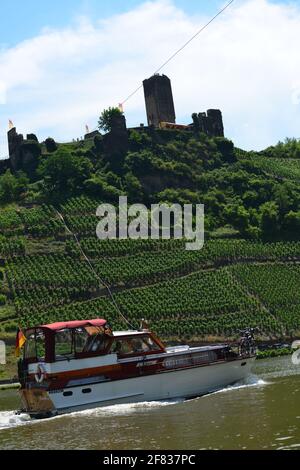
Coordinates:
[248,273]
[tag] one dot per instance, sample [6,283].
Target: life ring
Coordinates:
[40,374]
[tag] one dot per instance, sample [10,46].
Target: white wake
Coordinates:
[8,419]
[251,381]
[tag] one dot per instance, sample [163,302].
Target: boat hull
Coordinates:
[167,385]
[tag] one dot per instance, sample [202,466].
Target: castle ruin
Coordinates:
[210,123]
[160,108]
[159,100]
[24,153]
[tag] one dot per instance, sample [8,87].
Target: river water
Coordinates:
[261,413]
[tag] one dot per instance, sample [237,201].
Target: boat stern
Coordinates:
[37,403]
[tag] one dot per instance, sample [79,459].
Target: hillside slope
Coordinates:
[227,285]
[248,273]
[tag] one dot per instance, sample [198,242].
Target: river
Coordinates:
[261,413]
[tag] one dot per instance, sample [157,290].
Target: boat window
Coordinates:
[140,344]
[122,346]
[63,342]
[204,357]
[90,340]
[81,337]
[30,350]
[40,344]
[151,344]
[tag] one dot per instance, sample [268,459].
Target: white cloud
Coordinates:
[2,93]
[247,63]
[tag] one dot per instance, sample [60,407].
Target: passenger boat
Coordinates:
[78,365]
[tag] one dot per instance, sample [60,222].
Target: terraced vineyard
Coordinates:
[277,285]
[228,285]
[280,167]
[202,303]
[39,222]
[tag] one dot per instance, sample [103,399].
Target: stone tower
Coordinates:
[159,100]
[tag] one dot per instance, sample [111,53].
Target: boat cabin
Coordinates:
[83,339]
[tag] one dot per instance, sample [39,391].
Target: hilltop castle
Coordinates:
[24,153]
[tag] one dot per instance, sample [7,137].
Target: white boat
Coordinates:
[73,366]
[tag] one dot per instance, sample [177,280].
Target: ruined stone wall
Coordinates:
[23,153]
[211,123]
[116,142]
[15,141]
[91,135]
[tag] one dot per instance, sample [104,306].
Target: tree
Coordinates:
[269,223]
[133,188]
[237,216]
[11,186]
[283,197]
[291,225]
[139,163]
[51,145]
[226,148]
[106,117]
[139,141]
[98,186]
[64,172]
[252,232]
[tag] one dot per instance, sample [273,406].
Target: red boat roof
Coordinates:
[74,324]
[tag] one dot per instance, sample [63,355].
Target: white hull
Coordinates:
[182,383]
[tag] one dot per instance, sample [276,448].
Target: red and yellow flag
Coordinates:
[20,341]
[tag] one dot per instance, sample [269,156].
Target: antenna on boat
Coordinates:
[101,281]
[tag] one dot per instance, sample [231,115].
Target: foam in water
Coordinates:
[128,408]
[123,409]
[8,419]
[251,381]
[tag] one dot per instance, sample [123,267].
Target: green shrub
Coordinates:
[51,145]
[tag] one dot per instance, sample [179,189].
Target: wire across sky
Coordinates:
[180,49]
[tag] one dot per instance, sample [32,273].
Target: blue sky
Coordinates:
[23,19]
[63,61]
